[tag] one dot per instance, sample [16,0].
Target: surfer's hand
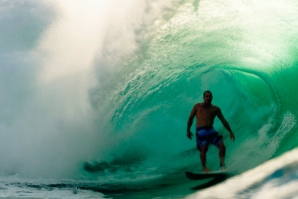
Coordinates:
[189,134]
[232,136]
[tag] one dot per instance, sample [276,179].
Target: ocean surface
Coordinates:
[95,97]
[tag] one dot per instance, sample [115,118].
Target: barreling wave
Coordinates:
[111,95]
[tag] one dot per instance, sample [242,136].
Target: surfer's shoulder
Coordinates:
[216,108]
[197,105]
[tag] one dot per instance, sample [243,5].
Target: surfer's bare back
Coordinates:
[205,133]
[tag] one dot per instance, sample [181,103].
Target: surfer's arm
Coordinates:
[225,123]
[190,120]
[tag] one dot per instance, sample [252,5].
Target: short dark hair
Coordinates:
[207,92]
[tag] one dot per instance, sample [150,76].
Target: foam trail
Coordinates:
[244,185]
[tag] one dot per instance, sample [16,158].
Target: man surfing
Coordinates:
[205,133]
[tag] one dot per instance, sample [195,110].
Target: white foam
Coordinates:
[239,184]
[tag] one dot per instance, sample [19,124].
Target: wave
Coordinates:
[105,92]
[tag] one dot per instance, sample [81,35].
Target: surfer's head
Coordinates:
[207,96]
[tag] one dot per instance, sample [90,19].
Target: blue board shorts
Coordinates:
[207,135]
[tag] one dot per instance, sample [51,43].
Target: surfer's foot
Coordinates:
[206,170]
[223,167]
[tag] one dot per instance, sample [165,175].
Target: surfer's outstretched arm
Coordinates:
[190,120]
[226,124]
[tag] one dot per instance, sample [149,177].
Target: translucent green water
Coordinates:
[107,86]
[245,53]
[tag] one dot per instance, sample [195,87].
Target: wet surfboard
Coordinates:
[204,175]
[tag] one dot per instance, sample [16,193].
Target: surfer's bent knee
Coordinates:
[203,148]
[221,144]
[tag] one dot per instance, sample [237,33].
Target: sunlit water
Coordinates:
[95,97]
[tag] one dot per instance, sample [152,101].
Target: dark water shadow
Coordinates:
[210,183]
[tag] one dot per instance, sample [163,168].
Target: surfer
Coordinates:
[205,133]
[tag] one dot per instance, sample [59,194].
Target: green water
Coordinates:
[245,53]
[100,87]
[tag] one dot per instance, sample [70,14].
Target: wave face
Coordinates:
[104,89]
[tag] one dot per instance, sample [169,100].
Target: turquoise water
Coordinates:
[99,92]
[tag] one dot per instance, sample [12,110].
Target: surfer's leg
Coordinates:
[203,150]
[222,153]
